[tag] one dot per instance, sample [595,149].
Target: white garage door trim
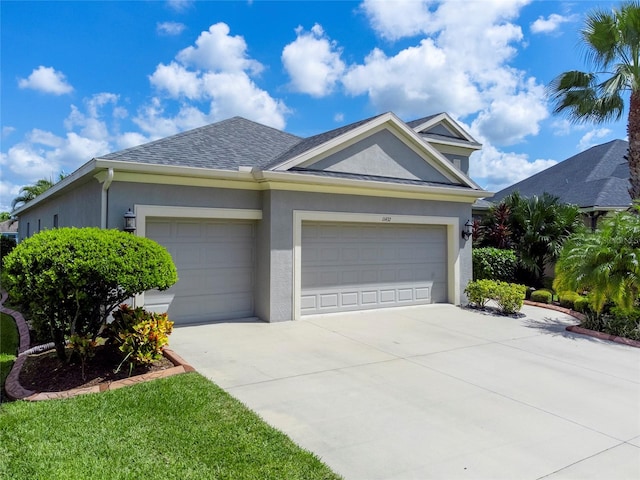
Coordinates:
[168,211]
[453,244]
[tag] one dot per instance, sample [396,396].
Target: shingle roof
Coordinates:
[311,142]
[598,177]
[376,178]
[419,121]
[224,145]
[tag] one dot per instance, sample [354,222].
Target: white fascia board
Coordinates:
[174,170]
[81,172]
[364,186]
[452,142]
[338,141]
[392,123]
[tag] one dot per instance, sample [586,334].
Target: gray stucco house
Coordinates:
[262,223]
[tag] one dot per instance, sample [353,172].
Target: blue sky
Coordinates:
[82,79]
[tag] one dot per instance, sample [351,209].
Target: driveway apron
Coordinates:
[434,391]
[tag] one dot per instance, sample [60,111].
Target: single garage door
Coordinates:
[363,266]
[216,265]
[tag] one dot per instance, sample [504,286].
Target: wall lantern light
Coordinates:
[129,221]
[467,231]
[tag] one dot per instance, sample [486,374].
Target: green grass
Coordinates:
[180,427]
[8,346]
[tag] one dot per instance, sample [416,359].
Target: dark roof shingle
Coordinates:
[224,145]
[597,177]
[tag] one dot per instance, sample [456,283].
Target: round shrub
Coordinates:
[542,296]
[494,264]
[70,279]
[568,299]
[581,305]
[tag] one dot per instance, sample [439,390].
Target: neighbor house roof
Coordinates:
[596,179]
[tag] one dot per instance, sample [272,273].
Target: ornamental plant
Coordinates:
[69,280]
[494,264]
[140,335]
[508,296]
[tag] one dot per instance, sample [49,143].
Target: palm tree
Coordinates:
[29,192]
[543,225]
[612,42]
[605,262]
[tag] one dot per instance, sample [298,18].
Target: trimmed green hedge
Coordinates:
[542,296]
[508,296]
[70,279]
[494,264]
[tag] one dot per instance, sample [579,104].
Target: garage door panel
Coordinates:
[216,268]
[371,265]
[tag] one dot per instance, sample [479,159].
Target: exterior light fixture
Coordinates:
[129,221]
[467,231]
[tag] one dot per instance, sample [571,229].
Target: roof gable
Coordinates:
[381,154]
[442,127]
[348,147]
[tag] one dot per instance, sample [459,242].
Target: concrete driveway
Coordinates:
[435,392]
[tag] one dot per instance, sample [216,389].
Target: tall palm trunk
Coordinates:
[633,130]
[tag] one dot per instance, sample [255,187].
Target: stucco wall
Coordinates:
[124,195]
[382,154]
[283,203]
[78,207]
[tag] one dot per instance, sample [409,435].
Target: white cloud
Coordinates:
[513,116]
[461,65]
[212,80]
[47,80]
[338,117]
[494,170]
[8,191]
[131,139]
[179,5]
[7,131]
[398,19]
[562,127]
[313,62]
[177,81]
[218,51]
[551,23]
[592,138]
[170,28]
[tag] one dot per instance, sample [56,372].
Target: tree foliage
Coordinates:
[70,279]
[606,263]
[612,47]
[29,192]
[535,228]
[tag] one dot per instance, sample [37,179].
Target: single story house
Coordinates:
[9,228]
[596,180]
[262,223]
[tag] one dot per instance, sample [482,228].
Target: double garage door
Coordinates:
[362,266]
[344,267]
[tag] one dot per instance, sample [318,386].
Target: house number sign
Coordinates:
[386,219]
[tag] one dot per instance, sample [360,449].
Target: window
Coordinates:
[38,225]
[55,221]
[28,227]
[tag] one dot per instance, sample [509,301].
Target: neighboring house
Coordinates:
[596,180]
[262,223]
[9,228]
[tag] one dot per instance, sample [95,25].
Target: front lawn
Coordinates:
[8,347]
[180,427]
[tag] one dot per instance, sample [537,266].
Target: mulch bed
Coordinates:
[44,372]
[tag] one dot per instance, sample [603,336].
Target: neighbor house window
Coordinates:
[55,221]
[28,229]
[38,225]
